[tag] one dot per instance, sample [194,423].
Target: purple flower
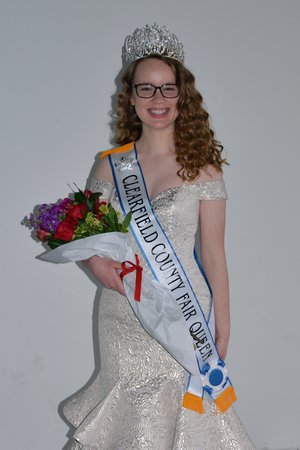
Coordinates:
[48,216]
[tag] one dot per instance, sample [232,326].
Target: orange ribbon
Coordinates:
[128,267]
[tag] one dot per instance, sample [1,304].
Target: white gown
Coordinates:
[135,402]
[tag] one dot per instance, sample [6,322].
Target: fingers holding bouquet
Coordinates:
[107,272]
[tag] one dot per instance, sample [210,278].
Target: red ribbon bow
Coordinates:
[128,267]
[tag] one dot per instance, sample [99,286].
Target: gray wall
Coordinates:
[59,60]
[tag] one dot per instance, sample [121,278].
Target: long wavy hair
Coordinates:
[195,142]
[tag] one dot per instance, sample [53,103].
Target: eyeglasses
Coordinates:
[149,90]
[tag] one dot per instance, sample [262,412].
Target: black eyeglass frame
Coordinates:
[155,89]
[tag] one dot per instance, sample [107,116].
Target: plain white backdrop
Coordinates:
[59,60]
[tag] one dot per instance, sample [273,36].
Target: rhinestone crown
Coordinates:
[152,40]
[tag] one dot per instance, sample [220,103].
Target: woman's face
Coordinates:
[157,112]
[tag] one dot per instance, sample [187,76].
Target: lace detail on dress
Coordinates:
[210,190]
[106,187]
[205,190]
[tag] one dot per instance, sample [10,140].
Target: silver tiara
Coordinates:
[152,40]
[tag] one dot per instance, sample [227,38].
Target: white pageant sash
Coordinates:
[211,373]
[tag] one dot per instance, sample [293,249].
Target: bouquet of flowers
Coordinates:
[76,229]
[69,220]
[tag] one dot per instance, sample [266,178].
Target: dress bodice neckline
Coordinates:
[184,183]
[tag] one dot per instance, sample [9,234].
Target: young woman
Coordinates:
[136,400]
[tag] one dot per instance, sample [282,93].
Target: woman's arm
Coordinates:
[212,227]
[105,270]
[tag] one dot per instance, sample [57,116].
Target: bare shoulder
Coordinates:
[209,173]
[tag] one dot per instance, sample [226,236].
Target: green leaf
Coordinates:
[95,195]
[126,221]
[113,215]
[79,197]
[90,204]
[54,243]
[110,223]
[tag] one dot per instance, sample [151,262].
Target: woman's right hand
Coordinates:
[106,270]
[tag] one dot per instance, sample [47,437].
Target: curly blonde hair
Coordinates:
[195,143]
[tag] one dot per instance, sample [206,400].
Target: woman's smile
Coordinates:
[158,113]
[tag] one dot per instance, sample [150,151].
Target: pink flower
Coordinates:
[42,234]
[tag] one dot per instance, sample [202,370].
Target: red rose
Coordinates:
[65,230]
[42,234]
[76,213]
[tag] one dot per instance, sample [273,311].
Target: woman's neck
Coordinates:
[156,142]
